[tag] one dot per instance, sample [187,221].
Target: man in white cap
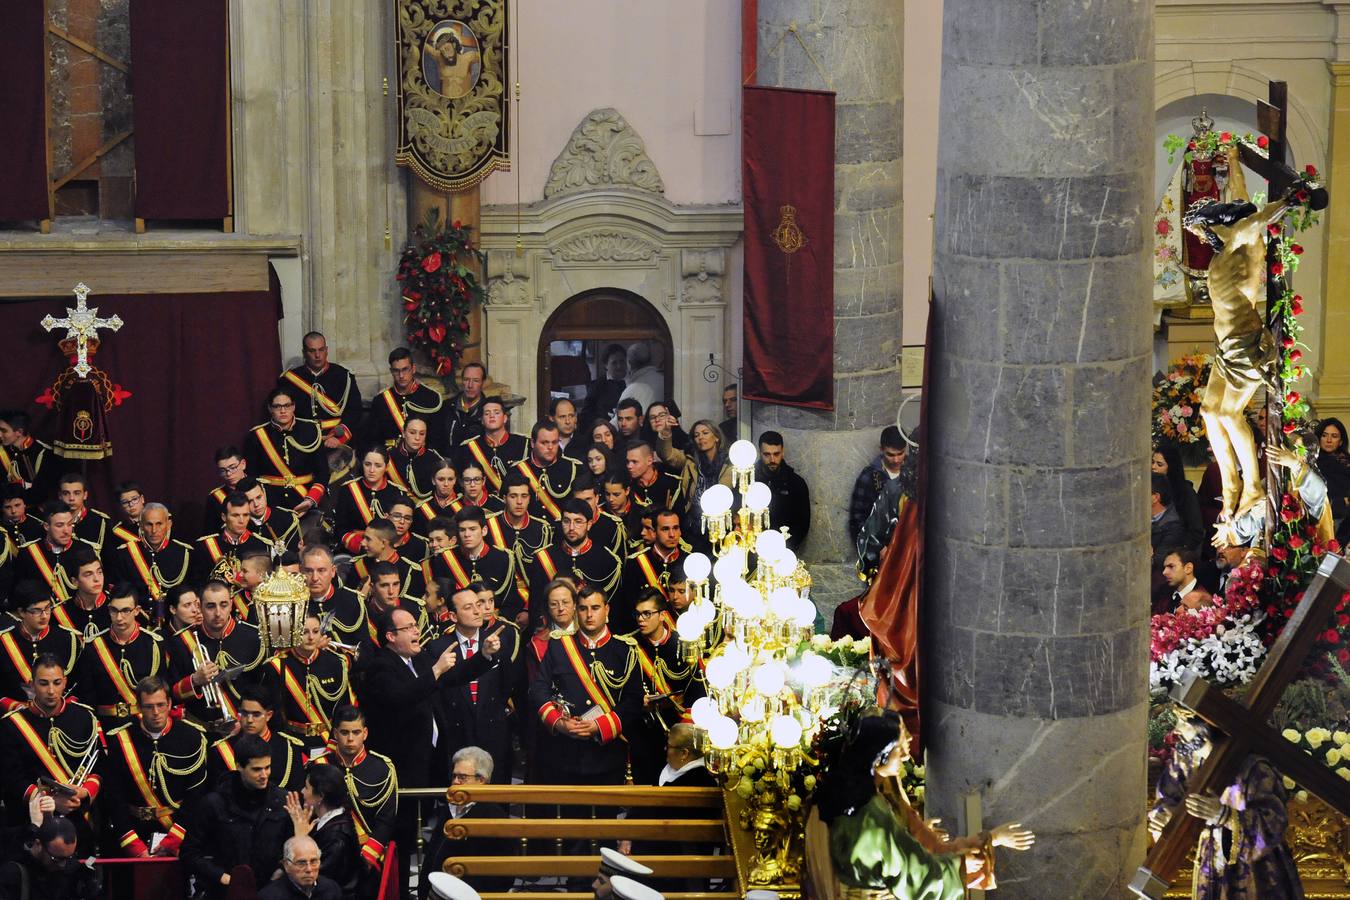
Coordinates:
[445,886]
[613,863]
[625,888]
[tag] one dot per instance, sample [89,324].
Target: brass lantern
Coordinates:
[280,603]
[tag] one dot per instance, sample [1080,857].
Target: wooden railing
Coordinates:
[556,815]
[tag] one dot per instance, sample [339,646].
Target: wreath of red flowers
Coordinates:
[439,287]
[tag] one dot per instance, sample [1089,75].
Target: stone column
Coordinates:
[314,151]
[1037,606]
[859,47]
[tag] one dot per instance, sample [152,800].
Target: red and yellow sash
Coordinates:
[359,498]
[298,693]
[649,669]
[285,477]
[392,471]
[326,403]
[121,531]
[54,581]
[138,776]
[540,492]
[461,577]
[213,548]
[11,467]
[395,409]
[489,471]
[39,748]
[16,656]
[569,645]
[495,529]
[545,560]
[649,572]
[143,568]
[115,673]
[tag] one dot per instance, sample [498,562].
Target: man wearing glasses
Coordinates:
[130,505]
[476,491]
[23,642]
[231,467]
[286,453]
[471,766]
[392,407]
[408,545]
[113,663]
[302,881]
[257,707]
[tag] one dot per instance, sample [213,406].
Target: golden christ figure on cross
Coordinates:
[82,324]
[1245,349]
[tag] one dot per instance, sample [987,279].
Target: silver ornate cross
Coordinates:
[82,324]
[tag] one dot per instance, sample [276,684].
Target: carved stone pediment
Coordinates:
[603,151]
[605,246]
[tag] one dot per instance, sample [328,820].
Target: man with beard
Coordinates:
[225,643]
[790,505]
[549,473]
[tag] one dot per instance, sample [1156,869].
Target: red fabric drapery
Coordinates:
[180,97]
[787,148]
[892,608]
[198,367]
[23,115]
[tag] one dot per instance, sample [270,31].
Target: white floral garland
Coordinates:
[1231,655]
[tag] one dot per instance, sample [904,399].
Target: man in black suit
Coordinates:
[470,766]
[397,685]
[475,712]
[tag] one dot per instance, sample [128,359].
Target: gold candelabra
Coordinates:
[751,616]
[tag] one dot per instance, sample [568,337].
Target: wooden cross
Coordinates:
[1272,120]
[1245,729]
[82,324]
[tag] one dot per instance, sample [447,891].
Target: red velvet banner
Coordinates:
[198,367]
[180,101]
[23,114]
[787,152]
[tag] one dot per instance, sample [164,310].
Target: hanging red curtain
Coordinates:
[787,152]
[198,367]
[23,114]
[180,99]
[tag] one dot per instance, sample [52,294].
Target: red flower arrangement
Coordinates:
[439,288]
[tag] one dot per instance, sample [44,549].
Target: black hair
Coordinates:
[56,828]
[81,555]
[48,661]
[399,353]
[1162,488]
[246,484]
[328,783]
[380,569]
[849,783]
[514,478]
[629,403]
[539,426]
[1176,469]
[248,690]
[383,529]
[250,747]
[279,391]
[771,439]
[891,438]
[30,593]
[17,419]
[1184,555]
[471,514]
[555,402]
[235,498]
[229,451]
[347,713]
[577,508]
[1211,212]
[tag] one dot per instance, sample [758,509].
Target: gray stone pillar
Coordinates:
[859,46]
[1037,610]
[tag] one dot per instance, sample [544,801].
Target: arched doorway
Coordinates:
[579,334]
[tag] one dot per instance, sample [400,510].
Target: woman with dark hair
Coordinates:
[319,811]
[664,415]
[364,498]
[601,461]
[1167,461]
[1334,463]
[877,842]
[603,434]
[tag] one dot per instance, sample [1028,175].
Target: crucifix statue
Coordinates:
[1246,354]
[82,324]
[1243,730]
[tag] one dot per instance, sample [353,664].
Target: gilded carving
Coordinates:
[605,246]
[604,151]
[452,90]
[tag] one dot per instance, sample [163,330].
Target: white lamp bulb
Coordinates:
[696,567]
[703,712]
[769,545]
[757,497]
[785,731]
[742,454]
[716,500]
[722,733]
[768,679]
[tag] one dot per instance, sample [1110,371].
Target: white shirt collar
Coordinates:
[1187,588]
[327,817]
[668,774]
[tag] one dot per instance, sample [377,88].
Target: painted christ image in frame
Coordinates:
[452,59]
